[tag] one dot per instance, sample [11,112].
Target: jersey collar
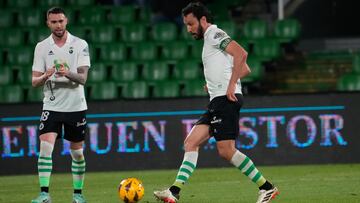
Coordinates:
[68,39]
[209,28]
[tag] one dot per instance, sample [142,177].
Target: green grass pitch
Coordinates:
[300,184]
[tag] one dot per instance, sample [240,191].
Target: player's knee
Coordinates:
[190,146]
[46,148]
[77,154]
[48,137]
[225,154]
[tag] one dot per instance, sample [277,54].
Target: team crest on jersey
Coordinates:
[71,50]
[219,35]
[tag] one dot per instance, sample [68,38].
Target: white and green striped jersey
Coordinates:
[218,63]
[69,95]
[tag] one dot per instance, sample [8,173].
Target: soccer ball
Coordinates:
[131,190]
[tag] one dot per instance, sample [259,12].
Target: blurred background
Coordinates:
[140,47]
[145,85]
[145,91]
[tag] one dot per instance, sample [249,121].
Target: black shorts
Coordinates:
[223,116]
[74,124]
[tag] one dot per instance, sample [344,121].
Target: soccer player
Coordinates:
[224,63]
[61,64]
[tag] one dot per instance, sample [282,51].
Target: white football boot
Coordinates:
[266,196]
[166,196]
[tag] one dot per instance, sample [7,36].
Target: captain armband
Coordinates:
[225,43]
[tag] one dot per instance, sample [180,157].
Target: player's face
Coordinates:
[57,24]
[193,26]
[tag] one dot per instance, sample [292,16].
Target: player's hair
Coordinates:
[198,10]
[55,10]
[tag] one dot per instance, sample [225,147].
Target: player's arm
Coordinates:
[240,68]
[79,77]
[39,71]
[240,55]
[83,66]
[39,78]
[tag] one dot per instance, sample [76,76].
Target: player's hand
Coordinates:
[230,92]
[206,88]
[63,71]
[49,72]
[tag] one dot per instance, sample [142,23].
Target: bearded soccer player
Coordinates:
[61,64]
[225,64]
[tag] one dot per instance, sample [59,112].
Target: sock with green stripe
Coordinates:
[247,167]
[186,169]
[45,165]
[78,169]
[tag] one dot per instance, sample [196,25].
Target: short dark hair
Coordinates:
[55,10]
[198,10]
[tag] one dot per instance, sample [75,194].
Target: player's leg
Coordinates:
[47,142]
[267,190]
[198,135]
[225,129]
[78,170]
[228,151]
[75,131]
[49,129]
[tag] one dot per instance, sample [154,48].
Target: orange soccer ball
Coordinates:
[131,190]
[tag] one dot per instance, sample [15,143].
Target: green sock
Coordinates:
[44,170]
[247,167]
[78,173]
[186,169]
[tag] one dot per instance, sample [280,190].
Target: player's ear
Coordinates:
[203,21]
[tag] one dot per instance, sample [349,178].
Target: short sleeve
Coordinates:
[84,54]
[219,39]
[38,61]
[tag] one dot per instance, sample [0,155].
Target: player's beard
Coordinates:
[199,34]
[59,34]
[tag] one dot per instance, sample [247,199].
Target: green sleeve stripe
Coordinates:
[225,43]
